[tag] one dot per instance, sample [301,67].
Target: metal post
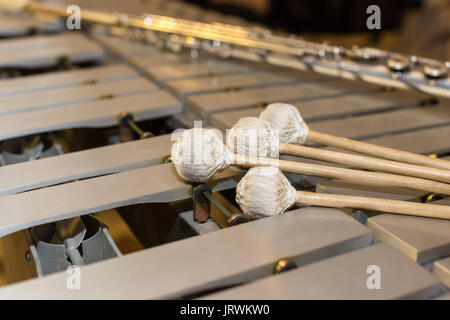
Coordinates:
[203,198]
[126,120]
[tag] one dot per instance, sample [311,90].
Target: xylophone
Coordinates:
[87,123]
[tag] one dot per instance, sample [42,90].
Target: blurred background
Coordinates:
[419,27]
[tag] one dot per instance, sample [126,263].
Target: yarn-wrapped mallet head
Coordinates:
[199,154]
[287,120]
[264,192]
[255,137]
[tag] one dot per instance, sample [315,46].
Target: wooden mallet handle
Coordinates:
[364,177]
[377,151]
[369,163]
[383,205]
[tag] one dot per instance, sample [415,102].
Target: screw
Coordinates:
[283,265]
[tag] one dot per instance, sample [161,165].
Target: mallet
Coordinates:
[199,154]
[293,129]
[258,135]
[265,192]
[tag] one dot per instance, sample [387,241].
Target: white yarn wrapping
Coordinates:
[264,192]
[13,5]
[198,154]
[255,137]
[287,119]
